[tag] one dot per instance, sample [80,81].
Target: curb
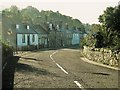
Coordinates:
[21,53]
[99,64]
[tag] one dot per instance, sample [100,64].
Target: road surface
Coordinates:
[61,69]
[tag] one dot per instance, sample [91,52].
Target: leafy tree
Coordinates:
[30,15]
[110,21]
[89,40]
[12,13]
[94,37]
[95,28]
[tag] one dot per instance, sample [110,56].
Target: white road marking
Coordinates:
[61,68]
[54,52]
[57,63]
[53,61]
[71,50]
[78,84]
[51,58]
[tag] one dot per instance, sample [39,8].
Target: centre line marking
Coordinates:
[54,53]
[57,63]
[78,84]
[61,68]
[50,55]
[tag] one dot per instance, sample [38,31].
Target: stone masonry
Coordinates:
[102,55]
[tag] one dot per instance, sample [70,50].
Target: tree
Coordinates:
[31,14]
[13,13]
[110,21]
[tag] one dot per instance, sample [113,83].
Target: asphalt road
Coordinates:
[61,69]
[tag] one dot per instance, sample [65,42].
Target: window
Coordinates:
[28,27]
[17,26]
[33,38]
[50,26]
[23,38]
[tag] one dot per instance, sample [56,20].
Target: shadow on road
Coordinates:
[24,68]
[8,73]
[13,66]
[101,73]
[30,58]
[98,73]
[30,70]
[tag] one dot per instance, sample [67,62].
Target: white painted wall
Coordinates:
[20,43]
[19,40]
[35,41]
[76,39]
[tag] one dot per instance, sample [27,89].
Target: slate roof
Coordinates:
[65,30]
[7,24]
[39,29]
[23,30]
[74,31]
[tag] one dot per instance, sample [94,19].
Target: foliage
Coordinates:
[99,40]
[89,40]
[94,36]
[30,14]
[108,33]
[110,21]
[33,15]
[6,50]
[12,13]
[0,31]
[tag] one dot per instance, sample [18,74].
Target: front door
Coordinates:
[28,39]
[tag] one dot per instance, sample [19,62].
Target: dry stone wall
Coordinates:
[102,55]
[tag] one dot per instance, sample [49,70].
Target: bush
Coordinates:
[89,40]
[6,51]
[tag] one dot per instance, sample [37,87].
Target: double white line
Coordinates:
[76,82]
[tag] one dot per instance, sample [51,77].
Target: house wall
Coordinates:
[35,41]
[55,38]
[20,44]
[66,39]
[42,40]
[19,40]
[76,39]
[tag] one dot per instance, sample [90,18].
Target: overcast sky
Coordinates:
[87,11]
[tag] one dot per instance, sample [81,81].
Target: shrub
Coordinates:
[6,51]
[89,40]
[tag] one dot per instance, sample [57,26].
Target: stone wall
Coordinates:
[102,55]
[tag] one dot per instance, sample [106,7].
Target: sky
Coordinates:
[87,11]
